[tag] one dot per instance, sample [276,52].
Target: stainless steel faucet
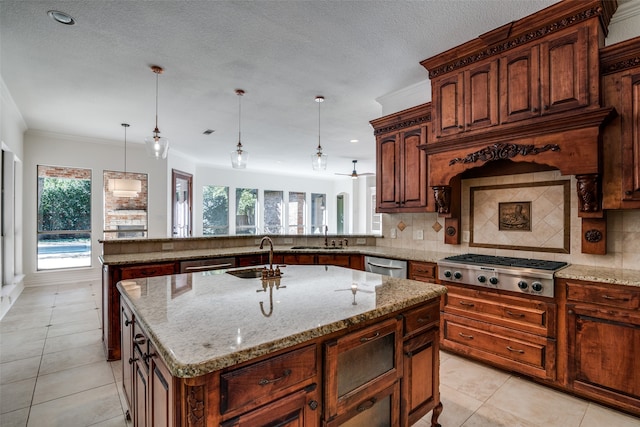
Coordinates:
[268,239]
[326,230]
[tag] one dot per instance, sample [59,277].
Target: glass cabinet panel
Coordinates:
[364,363]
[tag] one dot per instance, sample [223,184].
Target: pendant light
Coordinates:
[157,146]
[239,156]
[319,160]
[123,187]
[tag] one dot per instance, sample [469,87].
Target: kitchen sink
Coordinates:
[247,273]
[317,247]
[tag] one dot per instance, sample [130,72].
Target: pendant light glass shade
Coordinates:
[124,187]
[318,159]
[239,156]
[157,146]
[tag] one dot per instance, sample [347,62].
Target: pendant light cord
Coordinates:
[125,126]
[319,100]
[240,93]
[156,130]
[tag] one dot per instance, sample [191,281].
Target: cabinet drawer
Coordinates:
[421,318]
[521,352]
[528,316]
[423,271]
[618,297]
[139,271]
[245,385]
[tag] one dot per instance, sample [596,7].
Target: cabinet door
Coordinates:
[481,96]
[603,354]
[160,391]
[413,177]
[141,384]
[387,174]
[631,137]
[126,319]
[519,81]
[564,75]
[448,105]
[420,389]
[339,260]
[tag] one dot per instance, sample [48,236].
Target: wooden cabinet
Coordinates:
[401,175]
[111,275]
[360,368]
[423,271]
[147,383]
[252,260]
[620,66]
[603,328]
[511,332]
[465,101]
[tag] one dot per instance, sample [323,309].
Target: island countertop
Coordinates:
[202,322]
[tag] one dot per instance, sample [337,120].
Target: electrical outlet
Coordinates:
[418,235]
[393,233]
[167,246]
[465,236]
[257,241]
[288,240]
[361,241]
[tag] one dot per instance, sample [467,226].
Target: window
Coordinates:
[246,210]
[318,213]
[376,218]
[297,206]
[124,216]
[64,217]
[273,204]
[215,210]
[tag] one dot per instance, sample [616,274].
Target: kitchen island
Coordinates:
[321,345]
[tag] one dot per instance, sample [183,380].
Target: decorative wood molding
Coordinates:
[414,116]
[503,151]
[588,194]
[527,37]
[593,235]
[442,196]
[403,125]
[620,56]
[196,406]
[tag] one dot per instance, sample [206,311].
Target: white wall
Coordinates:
[42,148]
[12,127]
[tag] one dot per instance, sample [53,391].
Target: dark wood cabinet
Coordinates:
[126,325]
[401,175]
[111,275]
[620,67]
[603,338]
[423,271]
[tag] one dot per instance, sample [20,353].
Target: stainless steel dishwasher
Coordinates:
[386,266]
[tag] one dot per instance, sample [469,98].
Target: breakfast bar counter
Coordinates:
[238,345]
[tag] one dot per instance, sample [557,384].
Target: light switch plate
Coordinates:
[465,236]
[288,240]
[418,235]
[361,241]
[393,233]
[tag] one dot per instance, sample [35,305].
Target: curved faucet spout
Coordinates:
[268,239]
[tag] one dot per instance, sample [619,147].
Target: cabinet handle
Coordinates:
[366,405]
[131,360]
[365,339]
[313,404]
[128,322]
[265,381]
[424,319]
[519,315]
[209,267]
[610,298]
[469,337]
[467,304]
[148,356]
[139,339]
[515,350]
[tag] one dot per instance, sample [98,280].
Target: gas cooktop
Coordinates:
[503,261]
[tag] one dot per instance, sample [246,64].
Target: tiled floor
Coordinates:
[53,373]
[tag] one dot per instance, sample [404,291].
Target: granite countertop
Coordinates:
[614,276]
[202,322]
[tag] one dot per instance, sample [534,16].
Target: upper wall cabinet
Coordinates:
[620,66]
[401,176]
[543,64]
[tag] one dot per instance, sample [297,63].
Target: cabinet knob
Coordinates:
[128,322]
[131,360]
[570,311]
[534,110]
[628,193]
[313,405]
[460,127]
[546,107]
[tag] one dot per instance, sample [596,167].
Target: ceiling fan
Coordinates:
[355,174]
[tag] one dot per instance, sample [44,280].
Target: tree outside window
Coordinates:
[215,210]
[246,209]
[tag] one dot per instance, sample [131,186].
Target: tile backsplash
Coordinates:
[623,229]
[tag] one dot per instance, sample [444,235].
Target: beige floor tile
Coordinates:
[598,416]
[490,416]
[542,405]
[116,368]
[457,407]
[472,379]
[36,321]
[82,409]
[64,342]
[19,370]
[89,316]
[72,328]
[15,418]
[71,358]
[72,381]
[16,395]
[26,350]
[118,421]
[17,338]
[73,308]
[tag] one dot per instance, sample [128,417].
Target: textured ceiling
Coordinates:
[88,78]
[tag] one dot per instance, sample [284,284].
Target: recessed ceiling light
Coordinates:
[208,132]
[61,17]
[354,140]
